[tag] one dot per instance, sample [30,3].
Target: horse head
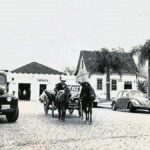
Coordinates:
[67,93]
[43,97]
[85,92]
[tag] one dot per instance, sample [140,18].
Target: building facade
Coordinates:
[29,81]
[87,71]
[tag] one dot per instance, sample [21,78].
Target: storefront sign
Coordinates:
[42,80]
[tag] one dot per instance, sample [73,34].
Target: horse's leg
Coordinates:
[63,113]
[82,113]
[86,112]
[90,115]
[59,112]
[82,110]
[61,116]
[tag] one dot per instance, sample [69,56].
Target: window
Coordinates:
[99,84]
[82,64]
[127,85]
[114,85]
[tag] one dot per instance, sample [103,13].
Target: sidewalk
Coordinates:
[106,104]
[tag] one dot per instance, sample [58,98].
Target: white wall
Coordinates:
[120,84]
[82,75]
[35,80]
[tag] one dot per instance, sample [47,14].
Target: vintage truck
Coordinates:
[8,102]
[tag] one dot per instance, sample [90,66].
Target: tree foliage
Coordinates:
[109,62]
[142,86]
[69,70]
[143,51]
[144,55]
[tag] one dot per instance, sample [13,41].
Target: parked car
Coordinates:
[132,100]
[8,102]
[99,98]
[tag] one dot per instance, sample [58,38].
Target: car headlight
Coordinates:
[9,99]
[136,103]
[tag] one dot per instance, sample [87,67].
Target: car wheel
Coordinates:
[131,108]
[95,104]
[12,117]
[114,107]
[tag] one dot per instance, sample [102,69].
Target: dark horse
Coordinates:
[87,101]
[62,100]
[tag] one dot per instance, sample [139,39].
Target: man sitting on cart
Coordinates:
[61,85]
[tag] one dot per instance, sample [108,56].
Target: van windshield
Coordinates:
[2,79]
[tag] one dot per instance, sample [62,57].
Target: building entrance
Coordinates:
[24,91]
[42,88]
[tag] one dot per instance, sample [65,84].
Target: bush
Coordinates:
[142,86]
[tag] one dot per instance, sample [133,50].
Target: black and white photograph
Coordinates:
[74,74]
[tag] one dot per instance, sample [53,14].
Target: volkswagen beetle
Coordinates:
[8,102]
[132,100]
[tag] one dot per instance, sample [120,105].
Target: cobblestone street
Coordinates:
[110,130]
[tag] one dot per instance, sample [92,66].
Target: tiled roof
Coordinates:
[91,57]
[35,67]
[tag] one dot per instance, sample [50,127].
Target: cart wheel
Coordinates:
[70,111]
[45,109]
[53,108]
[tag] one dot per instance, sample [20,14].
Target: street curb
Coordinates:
[105,105]
[108,107]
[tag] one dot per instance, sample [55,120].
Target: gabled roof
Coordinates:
[91,57]
[35,67]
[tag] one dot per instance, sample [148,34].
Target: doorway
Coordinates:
[24,91]
[42,88]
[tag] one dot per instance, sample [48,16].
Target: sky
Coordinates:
[53,32]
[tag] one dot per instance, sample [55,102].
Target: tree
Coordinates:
[108,62]
[141,86]
[143,52]
[69,70]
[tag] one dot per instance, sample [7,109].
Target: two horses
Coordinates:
[62,98]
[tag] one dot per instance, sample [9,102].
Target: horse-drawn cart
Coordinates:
[48,100]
